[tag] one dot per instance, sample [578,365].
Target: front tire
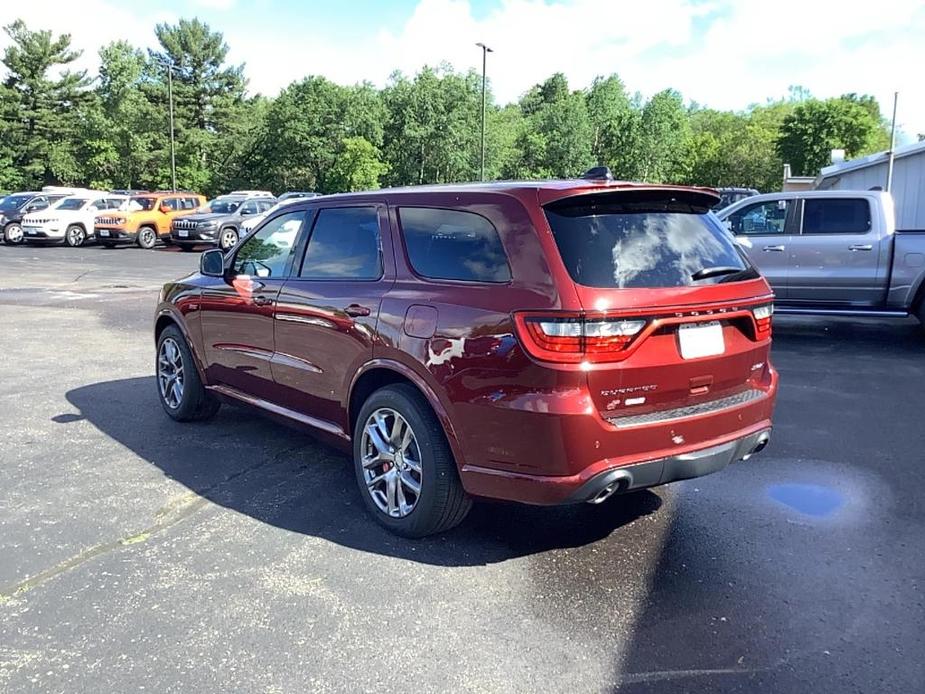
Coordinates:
[227,239]
[75,236]
[404,466]
[12,234]
[179,388]
[147,237]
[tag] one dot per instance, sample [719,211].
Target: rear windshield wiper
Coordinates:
[714,272]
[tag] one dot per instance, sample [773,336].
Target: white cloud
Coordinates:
[722,53]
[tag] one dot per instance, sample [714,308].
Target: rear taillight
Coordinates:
[763,316]
[577,337]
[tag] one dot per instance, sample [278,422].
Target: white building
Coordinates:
[870,173]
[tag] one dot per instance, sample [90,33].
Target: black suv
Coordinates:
[219,222]
[14,207]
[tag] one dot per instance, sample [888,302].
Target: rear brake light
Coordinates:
[577,337]
[763,316]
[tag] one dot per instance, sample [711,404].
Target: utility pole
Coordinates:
[173,147]
[485,51]
[889,165]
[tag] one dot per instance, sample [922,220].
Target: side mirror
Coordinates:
[165,208]
[212,263]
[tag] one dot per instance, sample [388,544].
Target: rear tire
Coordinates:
[179,388]
[440,502]
[12,234]
[920,314]
[75,236]
[147,237]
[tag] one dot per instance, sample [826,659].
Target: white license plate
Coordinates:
[104,232]
[30,232]
[701,339]
[182,233]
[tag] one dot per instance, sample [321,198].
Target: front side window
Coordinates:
[344,245]
[266,253]
[836,216]
[453,245]
[760,219]
[648,242]
[142,203]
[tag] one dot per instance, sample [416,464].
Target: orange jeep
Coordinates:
[145,218]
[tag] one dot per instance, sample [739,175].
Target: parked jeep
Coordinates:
[220,221]
[70,220]
[147,218]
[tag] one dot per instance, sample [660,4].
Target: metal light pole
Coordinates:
[173,148]
[485,51]
[892,157]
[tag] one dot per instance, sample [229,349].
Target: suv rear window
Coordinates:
[648,240]
[453,245]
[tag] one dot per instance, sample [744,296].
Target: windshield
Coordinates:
[644,243]
[71,204]
[141,203]
[14,202]
[223,205]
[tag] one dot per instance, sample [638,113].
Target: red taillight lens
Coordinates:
[763,315]
[577,337]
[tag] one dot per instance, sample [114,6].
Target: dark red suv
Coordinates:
[549,343]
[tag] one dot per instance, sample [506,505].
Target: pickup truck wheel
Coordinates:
[147,237]
[228,238]
[920,314]
[75,236]
[404,467]
[12,234]
[179,387]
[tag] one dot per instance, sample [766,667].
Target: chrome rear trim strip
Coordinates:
[709,407]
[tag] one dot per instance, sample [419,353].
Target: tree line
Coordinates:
[61,126]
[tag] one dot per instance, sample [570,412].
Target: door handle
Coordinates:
[261,300]
[356,310]
[861,247]
[775,249]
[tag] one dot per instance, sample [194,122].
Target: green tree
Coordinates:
[40,111]
[555,138]
[614,124]
[815,127]
[357,166]
[662,148]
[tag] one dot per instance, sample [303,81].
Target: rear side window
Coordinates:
[644,241]
[344,245]
[836,216]
[453,245]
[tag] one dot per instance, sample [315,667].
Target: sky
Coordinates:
[725,54]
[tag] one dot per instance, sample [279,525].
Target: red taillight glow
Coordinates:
[763,315]
[577,337]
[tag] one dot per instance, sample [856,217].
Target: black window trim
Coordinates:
[870,216]
[315,213]
[446,280]
[788,218]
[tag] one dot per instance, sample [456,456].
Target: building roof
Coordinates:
[871,160]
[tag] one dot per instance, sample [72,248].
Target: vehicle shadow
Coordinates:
[847,336]
[283,477]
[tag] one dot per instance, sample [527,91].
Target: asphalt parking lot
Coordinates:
[137,553]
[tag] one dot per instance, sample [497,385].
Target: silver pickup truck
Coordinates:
[833,252]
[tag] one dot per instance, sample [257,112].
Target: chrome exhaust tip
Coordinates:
[763,439]
[605,493]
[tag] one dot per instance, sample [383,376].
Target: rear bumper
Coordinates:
[678,467]
[593,454]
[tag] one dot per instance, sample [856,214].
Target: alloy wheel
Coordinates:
[170,377]
[391,462]
[13,234]
[148,238]
[229,239]
[75,236]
